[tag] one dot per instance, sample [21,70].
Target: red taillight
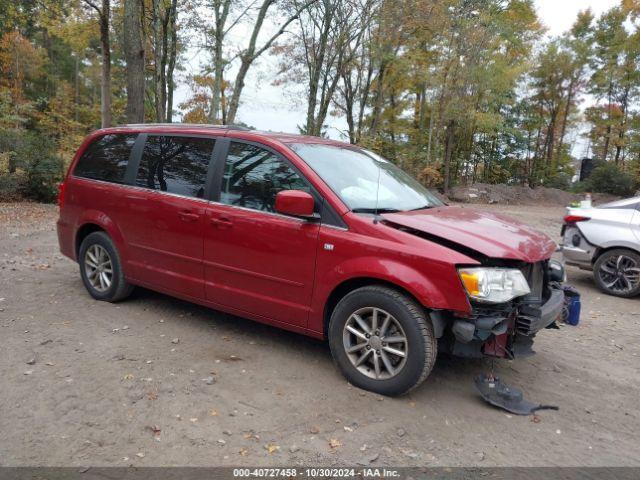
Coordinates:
[61,194]
[569,219]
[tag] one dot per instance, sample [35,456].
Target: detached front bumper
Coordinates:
[532,318]
[504,331]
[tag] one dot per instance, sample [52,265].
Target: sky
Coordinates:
[267,107]
[559,15]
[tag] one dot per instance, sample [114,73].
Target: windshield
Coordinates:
[364,181]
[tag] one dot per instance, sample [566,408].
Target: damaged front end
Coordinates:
[506,330]
[514,289]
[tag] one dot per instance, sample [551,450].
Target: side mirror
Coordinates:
[295,203]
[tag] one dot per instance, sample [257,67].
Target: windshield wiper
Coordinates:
[424,207]
[375,210]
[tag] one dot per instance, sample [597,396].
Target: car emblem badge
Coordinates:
[328,246]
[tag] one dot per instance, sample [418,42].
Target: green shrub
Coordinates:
[562,181]
[9,187]
[31,167]
[608,177]
[580,187]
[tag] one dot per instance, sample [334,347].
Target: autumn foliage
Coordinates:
[452,91]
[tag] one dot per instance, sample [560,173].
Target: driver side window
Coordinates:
[253,176]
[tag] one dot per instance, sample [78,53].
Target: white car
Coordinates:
[606,239]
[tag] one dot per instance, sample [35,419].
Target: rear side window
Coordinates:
[175,164]
[106,159]
[253,176]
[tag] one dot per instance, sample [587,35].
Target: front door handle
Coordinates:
[188,216]
[222,222]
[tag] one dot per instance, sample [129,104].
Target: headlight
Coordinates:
[494,285]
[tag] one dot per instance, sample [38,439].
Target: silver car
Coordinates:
[606,239]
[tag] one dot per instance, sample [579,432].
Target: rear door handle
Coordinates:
[188,216]
[222,222]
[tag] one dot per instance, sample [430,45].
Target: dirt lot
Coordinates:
[91,383]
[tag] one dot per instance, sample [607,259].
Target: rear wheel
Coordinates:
[381,340]
[101,270]
[617,272]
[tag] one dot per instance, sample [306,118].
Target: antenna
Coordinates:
[375,209]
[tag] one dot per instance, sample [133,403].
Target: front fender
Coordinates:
[435,285]
[416,283]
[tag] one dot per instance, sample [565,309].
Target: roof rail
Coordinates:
[186,125]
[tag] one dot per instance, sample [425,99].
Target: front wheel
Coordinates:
[617,272]
[382,340]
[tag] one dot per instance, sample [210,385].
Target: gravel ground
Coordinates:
[157,381]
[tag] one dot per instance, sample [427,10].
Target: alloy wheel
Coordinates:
[98,267]
[620,274]
[375,343]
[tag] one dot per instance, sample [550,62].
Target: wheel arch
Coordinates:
[83,232]
[604,249]
[351,284]
[93,221]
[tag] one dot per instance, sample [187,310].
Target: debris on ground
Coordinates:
[500,395]
[271,448]
[369,459]
[482,193]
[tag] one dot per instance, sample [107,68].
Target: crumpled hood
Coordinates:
[492,235]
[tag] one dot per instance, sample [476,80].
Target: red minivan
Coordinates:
[308,234]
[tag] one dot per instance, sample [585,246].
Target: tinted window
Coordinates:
[253,176]
[106,158]
[175,164]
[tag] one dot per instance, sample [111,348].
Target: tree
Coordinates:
[453,92]
[444,78]
[197,107]
[172,53]
[104,13]
[227,16]
[357,73]
[578,42]
[135,57]
[249,55]
[318,52]
[615,66]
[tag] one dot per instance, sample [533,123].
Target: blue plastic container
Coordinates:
[572,305]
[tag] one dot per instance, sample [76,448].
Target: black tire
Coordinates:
[603,276]
[421,344]
[119,288]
